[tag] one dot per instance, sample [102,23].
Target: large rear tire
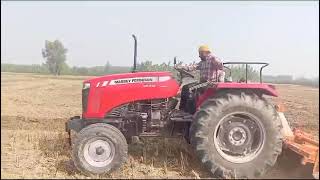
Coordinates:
[99,148]
[237,135]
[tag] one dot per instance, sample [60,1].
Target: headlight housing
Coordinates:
[86,86]
[85,94]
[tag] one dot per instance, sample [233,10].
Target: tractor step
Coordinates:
[181,116]
[149,134]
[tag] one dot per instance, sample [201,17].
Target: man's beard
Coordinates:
[203,58]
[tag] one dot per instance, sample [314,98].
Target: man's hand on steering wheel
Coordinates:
[186,67]
[192,66]
[181,67]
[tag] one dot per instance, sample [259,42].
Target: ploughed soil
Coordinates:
[34,109]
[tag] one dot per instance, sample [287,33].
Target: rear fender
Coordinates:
[257,88]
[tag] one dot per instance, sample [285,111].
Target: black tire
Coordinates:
[207,120]
[106,133]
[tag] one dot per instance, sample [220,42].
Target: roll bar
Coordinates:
[246,63]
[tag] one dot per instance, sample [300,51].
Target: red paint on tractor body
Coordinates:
[262,87]
[102,99]
[110,91]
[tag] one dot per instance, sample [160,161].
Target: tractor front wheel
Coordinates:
[237,135]
[99,148]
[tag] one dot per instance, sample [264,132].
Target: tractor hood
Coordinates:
[101,94]
[129,77]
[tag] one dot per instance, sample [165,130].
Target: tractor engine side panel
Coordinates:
[104,96]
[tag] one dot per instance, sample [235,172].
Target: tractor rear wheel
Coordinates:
[99,148]
[237,135]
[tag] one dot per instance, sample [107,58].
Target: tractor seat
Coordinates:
[229,79]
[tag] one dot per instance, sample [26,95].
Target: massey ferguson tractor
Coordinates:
[234,130]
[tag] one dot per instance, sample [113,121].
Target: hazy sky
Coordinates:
[285,34]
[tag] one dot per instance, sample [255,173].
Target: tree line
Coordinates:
[55,55]
[238,72]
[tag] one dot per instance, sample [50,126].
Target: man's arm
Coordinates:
[193,66]
[215,68]
[217,63]
[190,67]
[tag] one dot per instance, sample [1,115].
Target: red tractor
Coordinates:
[234,130]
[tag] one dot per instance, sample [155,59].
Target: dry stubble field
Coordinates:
[34,109]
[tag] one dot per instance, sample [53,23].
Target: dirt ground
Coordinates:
[34,109]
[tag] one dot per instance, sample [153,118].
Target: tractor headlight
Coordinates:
[86,85]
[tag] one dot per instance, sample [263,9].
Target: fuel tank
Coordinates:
[110,91]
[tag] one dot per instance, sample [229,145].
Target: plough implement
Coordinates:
[302,143]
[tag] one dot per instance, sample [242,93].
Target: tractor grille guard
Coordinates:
[246,63]
[85,94]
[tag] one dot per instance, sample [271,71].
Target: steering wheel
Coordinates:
[181,70]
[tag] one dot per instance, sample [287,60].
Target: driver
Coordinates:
[210,66]
[211,69]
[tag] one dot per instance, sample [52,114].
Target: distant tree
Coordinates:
[55,55]
[145,66]
[96,70]
[65,69]
[82,71]
[238,73]
[107,67]
[148,66]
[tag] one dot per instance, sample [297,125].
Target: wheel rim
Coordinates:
[239,137]
[99,153]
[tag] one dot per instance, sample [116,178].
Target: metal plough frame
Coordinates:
[303,144]
[300,142]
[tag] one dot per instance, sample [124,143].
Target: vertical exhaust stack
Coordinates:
[135,54]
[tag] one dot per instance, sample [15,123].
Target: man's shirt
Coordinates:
[210,69]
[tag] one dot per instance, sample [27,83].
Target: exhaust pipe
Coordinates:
[135,54]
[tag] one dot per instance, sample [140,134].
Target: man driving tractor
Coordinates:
[210,66]
[211,69]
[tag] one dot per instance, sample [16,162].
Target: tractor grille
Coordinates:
[85,93]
